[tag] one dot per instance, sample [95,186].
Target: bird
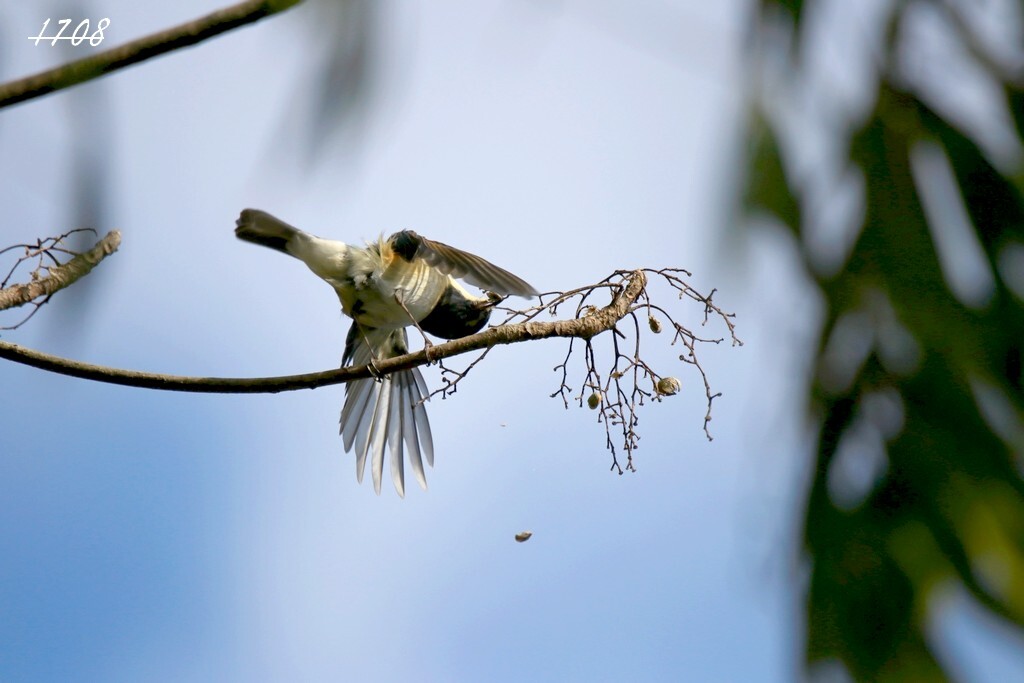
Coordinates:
[385,287]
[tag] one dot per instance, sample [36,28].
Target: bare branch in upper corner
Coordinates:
[50,275]
[136,51]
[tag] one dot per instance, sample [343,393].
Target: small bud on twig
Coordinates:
[668,386]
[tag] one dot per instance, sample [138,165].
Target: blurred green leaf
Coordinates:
[946,506]
[767,188]
[794,8]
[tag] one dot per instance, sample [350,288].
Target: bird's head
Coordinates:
[458,313]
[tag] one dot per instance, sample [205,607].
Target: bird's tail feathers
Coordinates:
[259,227]
[386,412]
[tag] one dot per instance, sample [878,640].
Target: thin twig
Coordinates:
[450,378]
[618,399]
[56,277]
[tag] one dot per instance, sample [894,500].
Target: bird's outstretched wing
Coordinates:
[461,264]
[386,412]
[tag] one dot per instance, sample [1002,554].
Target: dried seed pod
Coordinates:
[594,400]
[669,386]
[655,324]
[523,536]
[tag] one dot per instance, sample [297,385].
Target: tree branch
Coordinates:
[585,327]
[139,50]
[59,277]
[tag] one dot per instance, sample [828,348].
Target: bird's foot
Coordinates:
[374,370]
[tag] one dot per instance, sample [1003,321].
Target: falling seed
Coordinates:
[594,400]
[523,536]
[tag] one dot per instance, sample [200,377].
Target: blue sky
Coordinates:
[154,536]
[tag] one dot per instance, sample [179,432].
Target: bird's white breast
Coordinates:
[371,280]
[373,286]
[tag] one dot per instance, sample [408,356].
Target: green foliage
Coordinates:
[914,380]
[793,7]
